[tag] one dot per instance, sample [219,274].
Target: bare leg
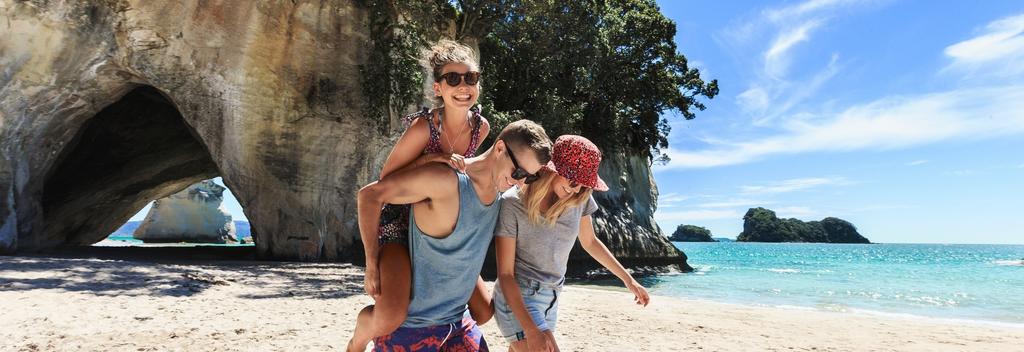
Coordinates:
[392,307]
[481,304]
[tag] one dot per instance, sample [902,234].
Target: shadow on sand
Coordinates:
[176,272]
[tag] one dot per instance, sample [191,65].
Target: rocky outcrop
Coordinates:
[192,215]
[625,220]
[106,105]
[761,225]
[691,233]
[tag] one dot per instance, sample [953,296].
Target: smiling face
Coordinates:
[462,95]
[563,187]
[525,159]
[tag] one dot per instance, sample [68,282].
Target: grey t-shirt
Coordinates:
[542,250]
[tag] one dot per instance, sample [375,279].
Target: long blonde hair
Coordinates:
[533,195]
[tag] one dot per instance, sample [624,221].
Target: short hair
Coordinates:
[529,134]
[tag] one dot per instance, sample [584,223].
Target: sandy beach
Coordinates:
[65,303]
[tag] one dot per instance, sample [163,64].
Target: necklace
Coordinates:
[447,136]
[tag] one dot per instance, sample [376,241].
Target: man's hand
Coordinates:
[538,341]
[371,281]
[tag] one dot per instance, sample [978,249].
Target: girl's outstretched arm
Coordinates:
[600,252]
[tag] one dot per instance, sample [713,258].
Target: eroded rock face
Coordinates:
[165,94]
[108,104]
[192,215]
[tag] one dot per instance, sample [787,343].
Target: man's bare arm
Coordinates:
[403,187]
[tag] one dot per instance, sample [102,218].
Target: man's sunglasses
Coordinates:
[519,173]
[454,78]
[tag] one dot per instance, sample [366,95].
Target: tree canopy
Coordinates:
[605,69]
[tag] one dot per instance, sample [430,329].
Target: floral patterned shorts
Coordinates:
[456,337]
[394,224]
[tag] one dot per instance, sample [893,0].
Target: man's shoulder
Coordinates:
[436,171]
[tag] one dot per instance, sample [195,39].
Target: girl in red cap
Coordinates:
[536,229]
[446,134]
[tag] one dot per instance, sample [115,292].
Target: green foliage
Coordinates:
[606,70]
[761,225]
[392,78]
[691,233]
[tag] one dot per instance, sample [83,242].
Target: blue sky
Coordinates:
[904,117]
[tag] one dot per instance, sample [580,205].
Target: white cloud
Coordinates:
[963,172]
[795,184]
[1021,166]
[786,13]
[776,58]
[787,95]
[887,123]
[917,162]
[774,90]
[670,200]
[997,51]
[795,212]
[696,215]
[731,203]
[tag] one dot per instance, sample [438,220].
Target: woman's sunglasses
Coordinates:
[519,173]
[454,78]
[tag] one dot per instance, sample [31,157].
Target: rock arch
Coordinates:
[137,149]
[268,96]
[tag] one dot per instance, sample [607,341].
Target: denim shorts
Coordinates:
[541,302]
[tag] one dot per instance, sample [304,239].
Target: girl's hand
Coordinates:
[458,162]
[455,161]
[371,281]
[639,292]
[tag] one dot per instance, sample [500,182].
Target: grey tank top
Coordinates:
[445,270]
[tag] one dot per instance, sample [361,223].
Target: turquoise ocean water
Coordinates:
[131,241]
[969,282]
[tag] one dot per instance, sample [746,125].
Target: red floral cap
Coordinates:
[577,158]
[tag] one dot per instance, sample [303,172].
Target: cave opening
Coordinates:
[132,152]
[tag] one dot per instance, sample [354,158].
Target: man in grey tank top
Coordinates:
[451,225]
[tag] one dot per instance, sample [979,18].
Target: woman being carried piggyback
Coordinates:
[536,230]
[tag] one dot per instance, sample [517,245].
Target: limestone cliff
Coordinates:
[192,215]
[108,104]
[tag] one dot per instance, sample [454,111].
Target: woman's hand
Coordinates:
[456,161]
[538,341]
[639,292]
[371,281]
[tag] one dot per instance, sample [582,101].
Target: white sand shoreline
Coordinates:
[852,311]
[78,304]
